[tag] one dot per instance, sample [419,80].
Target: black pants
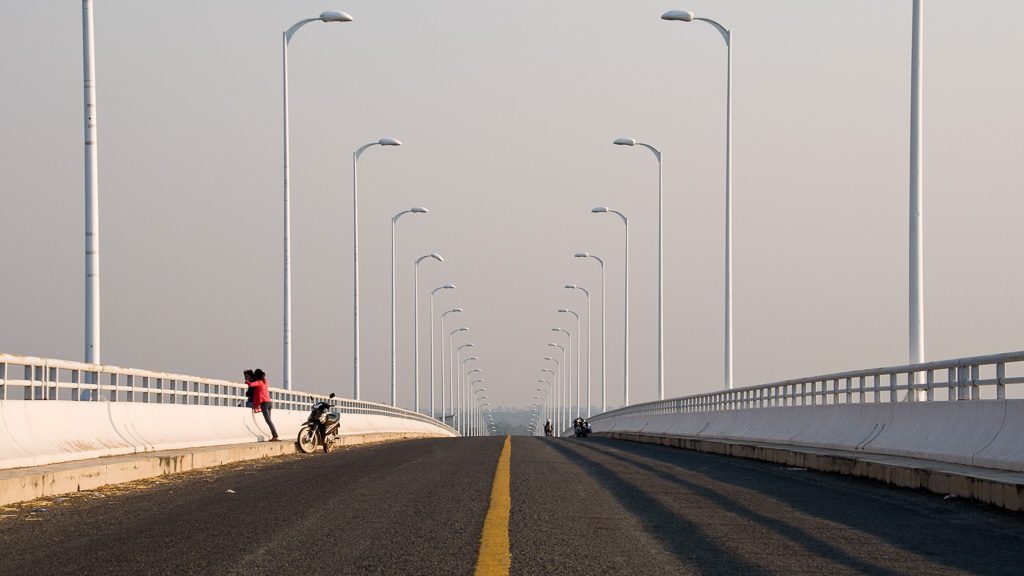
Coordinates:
[265,408]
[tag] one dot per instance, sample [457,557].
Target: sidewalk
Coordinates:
[21,484]
[997,487]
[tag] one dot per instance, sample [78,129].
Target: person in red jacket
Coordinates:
[261,400]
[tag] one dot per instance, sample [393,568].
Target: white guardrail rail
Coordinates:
[974,378]
[33,379]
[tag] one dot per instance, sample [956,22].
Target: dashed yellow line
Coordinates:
[495,557]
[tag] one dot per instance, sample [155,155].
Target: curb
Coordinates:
[23,484]
[996,487]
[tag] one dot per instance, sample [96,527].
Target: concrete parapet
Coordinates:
[999,488]
[23,484]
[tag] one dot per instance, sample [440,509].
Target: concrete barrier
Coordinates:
[34,433]
[977,432]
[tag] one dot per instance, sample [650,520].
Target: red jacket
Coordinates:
[260,394]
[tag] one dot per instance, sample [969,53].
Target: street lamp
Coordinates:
[451,372]
[463,410]
[661,263]
[355,251]
[92,193]
[456,406]
[394,221]
[566,389]
[625,346]
[579,338]
[604,406]
[590,323]
[687,16]
[549,392]
[330,16]
[432,292]
[559,398]
[416,330]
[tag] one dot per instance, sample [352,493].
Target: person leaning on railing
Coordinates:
[261,400]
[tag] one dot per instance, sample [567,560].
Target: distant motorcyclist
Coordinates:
[549,429]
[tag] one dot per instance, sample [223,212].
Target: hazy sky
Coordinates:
[507,111]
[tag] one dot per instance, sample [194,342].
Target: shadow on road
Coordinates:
[934,530]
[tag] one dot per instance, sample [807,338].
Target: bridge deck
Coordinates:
[578,507]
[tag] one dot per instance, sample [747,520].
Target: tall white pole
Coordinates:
[394,376]
[355,272]
[416,335]
[432,413]
[916,186]
[92,199]
[625,328]
[443,355]
[287,368]
[604,355]
[728,218]
[661,285]
[579,380]
[590,338]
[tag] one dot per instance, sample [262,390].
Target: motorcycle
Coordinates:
[320,428]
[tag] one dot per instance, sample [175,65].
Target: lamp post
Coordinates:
[451,373]
[394,221]
[457,402]
[285,39]
[355,253]
[559,384]
[687,16]
[92,193]
[466,387]
[590,323]
[625,330]
[661,264]
[604,406]
[475,419]
[579,338]
[566,390]
[550,397]
[464,408]
[416,332]
[554,391]
[432,292]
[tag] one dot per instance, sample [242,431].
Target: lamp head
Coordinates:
[418,210]
[437,256]
[556,329]
[389,142]
[463,329]
[625,141]
[564,310]
[678,15]
[334,16]
[600,210]
[449,287]
[571,286]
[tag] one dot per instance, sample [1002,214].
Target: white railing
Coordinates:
[32,378]
[947,380]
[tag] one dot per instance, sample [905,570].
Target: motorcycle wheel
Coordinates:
[329,443]
[307,440]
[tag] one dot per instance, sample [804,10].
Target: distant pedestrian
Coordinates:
[261,400]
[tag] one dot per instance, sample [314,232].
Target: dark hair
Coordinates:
[248,375]
[258,374]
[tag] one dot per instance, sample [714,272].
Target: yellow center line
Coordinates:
[495,558]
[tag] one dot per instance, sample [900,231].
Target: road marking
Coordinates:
[495,558]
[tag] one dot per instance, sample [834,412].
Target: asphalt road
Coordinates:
[588,507]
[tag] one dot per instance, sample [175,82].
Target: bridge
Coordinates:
[758,480]
[915,468]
